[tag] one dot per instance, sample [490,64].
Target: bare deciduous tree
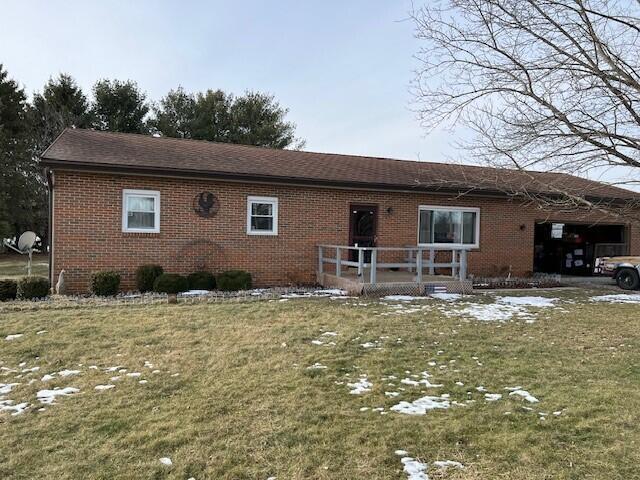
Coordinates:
[551,85]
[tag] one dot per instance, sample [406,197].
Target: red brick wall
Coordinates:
[88,228]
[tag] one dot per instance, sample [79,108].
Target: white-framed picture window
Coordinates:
[448,226]
[140,211]
[262,216]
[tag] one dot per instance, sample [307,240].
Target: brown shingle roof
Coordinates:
[88,149]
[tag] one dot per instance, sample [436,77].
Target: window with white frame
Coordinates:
[141,211]
[262,216]
[448,226]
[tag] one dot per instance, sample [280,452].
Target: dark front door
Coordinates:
[363,225]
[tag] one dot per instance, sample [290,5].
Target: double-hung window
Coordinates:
[262,216]
[140,211]
[448,226]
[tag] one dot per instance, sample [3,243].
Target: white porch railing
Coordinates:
[414,259]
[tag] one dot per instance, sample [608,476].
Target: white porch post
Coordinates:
[374,265]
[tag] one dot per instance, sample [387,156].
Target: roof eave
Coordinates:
[186,173]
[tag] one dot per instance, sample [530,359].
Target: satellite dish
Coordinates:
[26,241]
[25,246]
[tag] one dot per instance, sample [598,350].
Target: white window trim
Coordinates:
[457,209]
[156,207]
[274,211]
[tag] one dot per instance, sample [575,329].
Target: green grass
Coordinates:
[244,405]
[15,266]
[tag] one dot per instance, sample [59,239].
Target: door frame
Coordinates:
[363,206]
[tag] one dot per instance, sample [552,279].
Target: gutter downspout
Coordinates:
[50,183]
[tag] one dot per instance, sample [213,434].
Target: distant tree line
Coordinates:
[28,128]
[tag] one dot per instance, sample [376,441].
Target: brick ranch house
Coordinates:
[122,200]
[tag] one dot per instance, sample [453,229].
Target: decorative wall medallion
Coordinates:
[206,204]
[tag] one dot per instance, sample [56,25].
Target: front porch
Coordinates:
[393,270]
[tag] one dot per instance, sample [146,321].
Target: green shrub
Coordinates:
[32,287]
[146,276]
[171,283]
[8,290]
[234,280]
[105,284]
[201,281]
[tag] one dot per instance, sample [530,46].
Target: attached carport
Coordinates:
[571,248]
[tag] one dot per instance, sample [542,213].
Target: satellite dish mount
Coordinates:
[26,243]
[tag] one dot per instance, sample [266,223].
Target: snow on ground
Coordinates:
[414,469]
[488,312]
[48,396]
[447,464]
[13,336]
[166,461]
[68,373]
[363,385]
[449,297]
[104,387]
[8,406]
[528,301]
[403,298]
[522,393]
[317,366]
[492,397]
[424,381]
[194,293]
[422,405]
[618,298]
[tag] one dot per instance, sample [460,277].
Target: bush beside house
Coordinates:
[234,280]
[146,276]
[32,287]
[201,281]
[105,284]
[171,283]
[8,290]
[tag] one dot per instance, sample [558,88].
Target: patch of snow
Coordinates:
[68,373]
[7,387]
[47,377]
[401,453]
[449,297]
[424,381]
[392,394]
[317,342]
[104,387]
[422,405]
[524,394]
[402,298]
[316,366]
[49,396]
[134,374]
[447,464]
[414,469]
[8,406]
[40,332]
[195,293]
[618,298]
[373,344]
[490,312]
[528,301]
[166,461]
[330,334]
[13,336]
[361,386]
[492,397]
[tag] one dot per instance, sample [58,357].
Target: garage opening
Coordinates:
[571,248]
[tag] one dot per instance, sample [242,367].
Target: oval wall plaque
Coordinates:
[205,204]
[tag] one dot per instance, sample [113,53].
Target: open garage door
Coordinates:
[571,248]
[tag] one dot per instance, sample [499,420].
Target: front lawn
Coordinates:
[226,391]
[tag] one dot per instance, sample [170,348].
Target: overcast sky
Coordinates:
[342,68]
